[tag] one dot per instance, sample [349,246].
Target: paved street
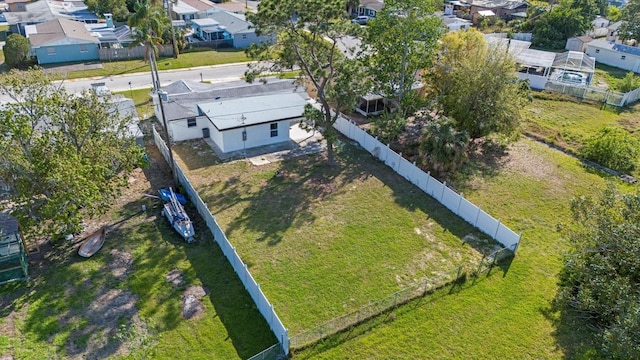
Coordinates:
[213,74]
[218,73]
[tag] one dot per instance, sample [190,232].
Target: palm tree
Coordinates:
[149,23]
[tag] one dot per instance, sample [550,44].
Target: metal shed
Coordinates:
[13,256]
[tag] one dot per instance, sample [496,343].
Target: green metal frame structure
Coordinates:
[13,255]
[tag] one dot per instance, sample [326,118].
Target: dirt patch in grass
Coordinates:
[192,307]
[523,160]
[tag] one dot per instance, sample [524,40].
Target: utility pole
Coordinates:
[163,94]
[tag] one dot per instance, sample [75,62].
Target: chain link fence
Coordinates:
[380,306]
[271,353]
[604,96]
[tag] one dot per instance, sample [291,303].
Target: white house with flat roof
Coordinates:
[235,115]
[239,124]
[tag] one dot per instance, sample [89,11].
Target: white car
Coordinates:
[572,77]
[360,20]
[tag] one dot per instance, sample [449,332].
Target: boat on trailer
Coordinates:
[92,243]
[180,221]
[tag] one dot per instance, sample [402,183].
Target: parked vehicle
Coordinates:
[572,77]
[360,20]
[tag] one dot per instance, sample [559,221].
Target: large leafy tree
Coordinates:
[552,29]
[309,32]
[16,51]
[630,29]
[589,9]
[476,85]
[118,8]
[64,156]
[398,44]
[599,281]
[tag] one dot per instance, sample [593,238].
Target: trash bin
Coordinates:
[205,133]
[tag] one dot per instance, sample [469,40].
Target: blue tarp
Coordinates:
[165,195]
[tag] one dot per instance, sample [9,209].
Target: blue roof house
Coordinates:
[61,40]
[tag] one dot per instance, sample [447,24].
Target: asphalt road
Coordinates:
[213,74]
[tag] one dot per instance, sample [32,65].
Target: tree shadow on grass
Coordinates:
[286,197]
[73,306]
[574,336]
[486,161]
[100,307]
[245,327]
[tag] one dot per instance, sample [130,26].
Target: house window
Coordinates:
[83,48]
[244,36]
[51,51]
[623,57]
[20,6]
[191,122]
[274,129]
[597,51]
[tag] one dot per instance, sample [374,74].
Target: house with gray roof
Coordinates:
[239,29]
[61,40]
[618,55]
[234,115]
[504,9]
[368,8]
[47,10]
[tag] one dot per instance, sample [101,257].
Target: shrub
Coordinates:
[16,51]
[614,148]
[443,148]
[628,83]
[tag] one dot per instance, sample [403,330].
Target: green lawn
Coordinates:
[119,302]
[569,124]
[202,57]
[142,101]
[500,317]
[609,75]
[322,241]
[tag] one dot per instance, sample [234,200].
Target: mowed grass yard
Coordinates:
[324,241]
[502,316]
[127,300]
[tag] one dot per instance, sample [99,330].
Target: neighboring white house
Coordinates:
[612,34]
[223,112]
[454,23]
[599,27]
[618,55]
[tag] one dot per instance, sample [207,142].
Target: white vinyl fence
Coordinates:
[253,288]
[439,191]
